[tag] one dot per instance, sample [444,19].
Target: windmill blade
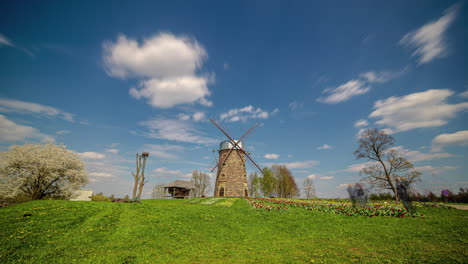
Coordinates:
[235,144]
[256,165]
[222,130]
[227,135]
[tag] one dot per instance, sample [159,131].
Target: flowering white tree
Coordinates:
[37,171]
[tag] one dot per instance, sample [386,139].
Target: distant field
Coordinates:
[223,231]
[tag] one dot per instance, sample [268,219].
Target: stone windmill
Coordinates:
[231,178]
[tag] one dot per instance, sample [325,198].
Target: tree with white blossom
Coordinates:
[40,170]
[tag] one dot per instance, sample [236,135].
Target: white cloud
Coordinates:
[417,110]
[326,177]
[459,138]
[245,113]
[10,105]
[165,151]
[113,151]
[162,172]
[344,92]
[383,76]
[361,123]
[312,176]
[342,186]
[183,116]
[464,94]
[358,86]
[359,166]
[167,66]
[10,131]
[435,170]
[300,164]
[166,171]
[415,156]
[175,130]
[63,132]
[294,105]
[100,174]
[166,93]
[324,146]
[5,41]
[429,40]
[91,155]
[198,116]
[271,156]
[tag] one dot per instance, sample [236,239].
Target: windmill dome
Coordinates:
[227,144]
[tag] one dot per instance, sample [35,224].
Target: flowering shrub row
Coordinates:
[370,210]
[258,204]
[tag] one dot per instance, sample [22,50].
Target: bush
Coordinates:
[100,198]
[381,196]
[14,200]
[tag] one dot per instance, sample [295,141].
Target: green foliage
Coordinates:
[165,231]
[381,196]
[254,185]
[286,186]
[278,181]
[268,182]
[100,198]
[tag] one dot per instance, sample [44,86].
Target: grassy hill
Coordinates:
[222,231]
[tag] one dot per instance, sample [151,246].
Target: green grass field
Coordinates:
[226,231]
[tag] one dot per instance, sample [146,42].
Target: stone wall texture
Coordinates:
[231,179]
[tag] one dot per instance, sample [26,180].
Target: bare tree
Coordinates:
[139,176]
[201,181]
[309,188]
[374,145]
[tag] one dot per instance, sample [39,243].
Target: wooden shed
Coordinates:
[179,189]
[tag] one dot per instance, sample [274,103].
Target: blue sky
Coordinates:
[111,79]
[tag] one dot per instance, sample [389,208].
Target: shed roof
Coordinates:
[180,184]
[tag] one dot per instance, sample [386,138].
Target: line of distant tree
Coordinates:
[446,196]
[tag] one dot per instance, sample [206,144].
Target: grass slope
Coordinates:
[174,231]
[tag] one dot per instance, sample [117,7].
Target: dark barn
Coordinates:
[179,189]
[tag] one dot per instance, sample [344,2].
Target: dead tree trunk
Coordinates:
[142,183]
[136,176]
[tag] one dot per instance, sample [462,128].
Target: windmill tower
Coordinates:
[231,178]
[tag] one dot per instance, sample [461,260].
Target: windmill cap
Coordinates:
[227,144]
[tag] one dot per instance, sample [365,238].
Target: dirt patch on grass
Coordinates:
[459,206]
